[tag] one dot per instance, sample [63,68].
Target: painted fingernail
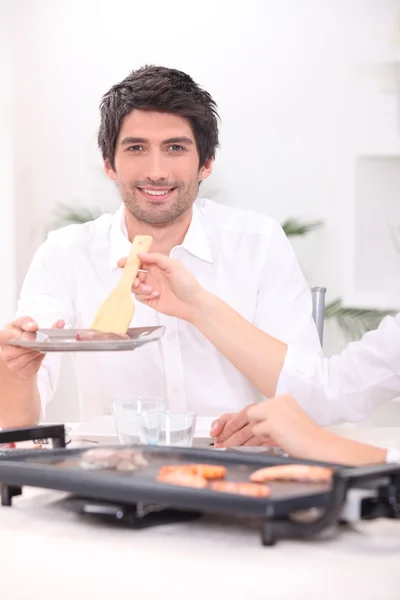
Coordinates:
[154,294]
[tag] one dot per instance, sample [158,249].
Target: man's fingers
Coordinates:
[60,324]
[22,328]
[23,323]
[13,352]
[6,335]
[31,367]
[20,363]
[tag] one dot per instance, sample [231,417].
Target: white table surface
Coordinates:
[48,552]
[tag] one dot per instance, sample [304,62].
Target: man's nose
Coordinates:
[156,168]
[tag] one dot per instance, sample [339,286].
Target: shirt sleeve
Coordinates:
[348,386]
[284,307]
[393,455]
[46,297]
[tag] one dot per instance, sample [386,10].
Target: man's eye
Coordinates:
[176,148]
[136,148]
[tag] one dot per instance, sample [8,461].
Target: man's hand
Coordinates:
[236,430]
[21,362]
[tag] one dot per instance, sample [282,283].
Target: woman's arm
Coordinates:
[257,355]
[292,429]
[168,287]
[345,387]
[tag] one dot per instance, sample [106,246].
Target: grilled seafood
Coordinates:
[184,478]
[309,473]
[243,488]
[209,472]
[111,458]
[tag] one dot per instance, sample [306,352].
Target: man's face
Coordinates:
[157,166]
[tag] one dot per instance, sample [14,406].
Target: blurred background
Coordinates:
[309,95]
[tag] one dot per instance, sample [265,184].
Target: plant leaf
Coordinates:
[68,215]
[354,321]
[296,227]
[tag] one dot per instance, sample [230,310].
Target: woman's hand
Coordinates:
[167,286]
[283,420]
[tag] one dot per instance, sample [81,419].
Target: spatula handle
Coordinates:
[141,243]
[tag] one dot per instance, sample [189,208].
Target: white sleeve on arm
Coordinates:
[348,386]
[284,308]
[46,296]
[393,455]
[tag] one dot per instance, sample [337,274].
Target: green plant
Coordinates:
[353,321]
[296,227]
[65,215]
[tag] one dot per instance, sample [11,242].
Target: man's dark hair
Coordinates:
[159,89]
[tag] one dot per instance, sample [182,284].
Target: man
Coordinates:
[158,137]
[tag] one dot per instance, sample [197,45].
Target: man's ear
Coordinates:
[205,170]
[109,171]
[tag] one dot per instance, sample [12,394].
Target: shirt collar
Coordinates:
[196,241]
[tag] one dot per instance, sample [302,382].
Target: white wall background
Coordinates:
[7,199]
[293,114]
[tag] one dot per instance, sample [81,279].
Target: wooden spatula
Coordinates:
[116,313]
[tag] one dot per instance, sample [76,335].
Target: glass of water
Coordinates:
[127,414]
[167,428]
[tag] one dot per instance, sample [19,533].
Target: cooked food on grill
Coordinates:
[243,488]
[112,458]
[209,472]
[184,478]
[308,473]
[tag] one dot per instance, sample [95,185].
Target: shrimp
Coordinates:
[312,473]
[209,472]
[171,469]
[183,478]
[243,488]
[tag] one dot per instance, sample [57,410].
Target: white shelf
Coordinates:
[384,53]
[375,258]
[388,152]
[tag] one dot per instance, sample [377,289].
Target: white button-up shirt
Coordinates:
[348,386]
[242,257]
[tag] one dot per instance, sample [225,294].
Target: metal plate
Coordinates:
[65,340]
